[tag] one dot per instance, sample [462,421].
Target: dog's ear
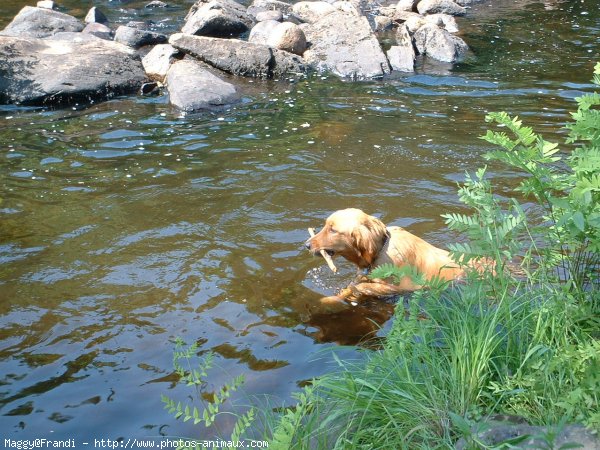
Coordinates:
[369,238]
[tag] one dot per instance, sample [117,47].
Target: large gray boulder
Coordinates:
[40,23]
[344,44]
[60,72]
[437,43]
[239,57]
[193,87]
[217,18]
[441,7]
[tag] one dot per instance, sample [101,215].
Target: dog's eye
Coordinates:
[332,230]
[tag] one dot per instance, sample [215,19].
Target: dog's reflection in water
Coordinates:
[351,325]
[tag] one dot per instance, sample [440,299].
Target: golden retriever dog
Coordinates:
[365,241]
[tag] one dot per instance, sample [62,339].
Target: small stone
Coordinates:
[261,31]
[94,15]
[311,12]
[150,88]
[383,23]
[48,4]
[413,23]
[157,4]
[405,5]
[439,44]
[289,37]
[269,15]
[445,21]
[440,6]
[134,37]
[402,55]
[158,60]
[99,30]
[258,6]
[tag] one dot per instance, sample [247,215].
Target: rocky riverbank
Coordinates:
[53,59]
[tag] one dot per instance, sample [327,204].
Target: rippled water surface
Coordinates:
[124,226]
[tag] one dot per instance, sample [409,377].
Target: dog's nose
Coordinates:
[307,244]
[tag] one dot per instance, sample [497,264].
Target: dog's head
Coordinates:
[352,234]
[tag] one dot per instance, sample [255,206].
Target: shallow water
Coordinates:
[124,226]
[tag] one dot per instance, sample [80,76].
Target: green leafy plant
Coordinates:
[194,376]
[568,189]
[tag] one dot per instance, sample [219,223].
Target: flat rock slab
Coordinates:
[193,88]
[239,57]
[40,22]
[60,72]
[344,44]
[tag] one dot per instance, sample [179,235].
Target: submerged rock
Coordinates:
[40,23]
[193,87]
[344,44]
[239,57]
[59,72]
[217,18]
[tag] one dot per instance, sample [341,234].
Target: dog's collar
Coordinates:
[388,235]
[386,239]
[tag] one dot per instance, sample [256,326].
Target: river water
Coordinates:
[124,226]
